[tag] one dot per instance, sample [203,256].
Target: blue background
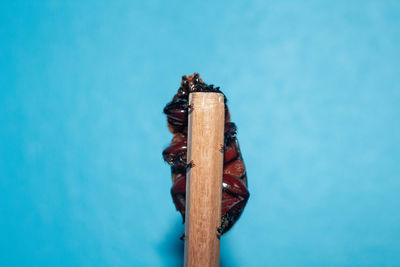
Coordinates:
[314,87]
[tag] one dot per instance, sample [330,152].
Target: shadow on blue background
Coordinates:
[313,87]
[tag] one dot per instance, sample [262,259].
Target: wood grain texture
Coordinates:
[204,180]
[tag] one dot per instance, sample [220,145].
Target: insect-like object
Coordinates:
[234,179]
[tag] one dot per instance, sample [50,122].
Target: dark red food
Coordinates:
[234,180]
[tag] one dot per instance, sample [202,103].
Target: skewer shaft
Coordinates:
[204,179]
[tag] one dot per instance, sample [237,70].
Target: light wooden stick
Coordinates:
[204,179]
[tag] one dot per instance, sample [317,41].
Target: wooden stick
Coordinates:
[204,179]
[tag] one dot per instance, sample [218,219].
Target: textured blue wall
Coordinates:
[314,87]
